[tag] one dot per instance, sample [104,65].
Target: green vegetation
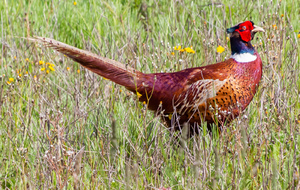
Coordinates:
[48,115]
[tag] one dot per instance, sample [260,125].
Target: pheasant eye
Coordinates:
[244,27]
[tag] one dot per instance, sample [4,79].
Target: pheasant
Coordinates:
[215,93]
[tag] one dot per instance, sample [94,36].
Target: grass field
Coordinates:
[62,126]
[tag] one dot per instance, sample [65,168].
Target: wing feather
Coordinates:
[198,93]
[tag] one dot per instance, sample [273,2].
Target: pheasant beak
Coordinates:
[257,29]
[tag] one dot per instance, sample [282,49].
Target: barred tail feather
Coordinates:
[110,69]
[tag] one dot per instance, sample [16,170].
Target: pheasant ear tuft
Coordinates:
[232,29]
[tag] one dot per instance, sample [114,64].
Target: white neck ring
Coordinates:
[243,57]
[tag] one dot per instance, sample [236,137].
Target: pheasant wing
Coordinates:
[197,94]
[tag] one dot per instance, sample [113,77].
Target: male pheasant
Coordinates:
[215,93]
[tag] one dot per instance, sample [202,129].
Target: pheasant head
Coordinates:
[241,36]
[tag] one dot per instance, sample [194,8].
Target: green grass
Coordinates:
[126,146]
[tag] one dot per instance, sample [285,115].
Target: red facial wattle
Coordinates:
[245,30]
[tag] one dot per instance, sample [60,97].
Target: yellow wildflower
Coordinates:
[15,57]
[170,116]
[68,68]
[138,94]
[26,59]
[78,71]
[274,26]
[189,50]
[227,38]
[282,15]
[104,78]
[172,53]
[8,82]
[144,102]
[20,75]
[47,71]
[51,68]
[298,35]
[11,79]
[34,77]
[75,3]
[41,62]
[42,69]
[26,72]
[220,49]
[177,48]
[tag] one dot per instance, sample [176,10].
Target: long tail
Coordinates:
[110,69]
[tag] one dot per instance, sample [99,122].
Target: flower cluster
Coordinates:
[10,80]
[19,73]
[47,66]
[187,49]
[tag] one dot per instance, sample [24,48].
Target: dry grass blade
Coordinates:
[77,166]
